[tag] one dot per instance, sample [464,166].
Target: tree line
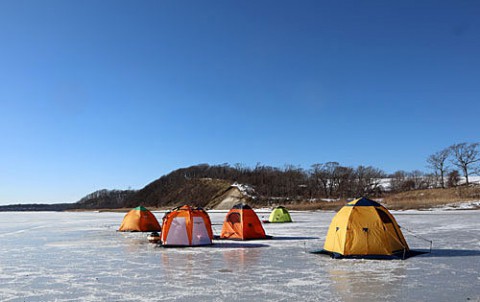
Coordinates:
[329,180]
[289,183]
[464,156]
[105,199]
[333,180]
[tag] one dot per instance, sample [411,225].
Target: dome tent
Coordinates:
[280,214]
[364,228]
[139,219]
[242,223]
[186,226]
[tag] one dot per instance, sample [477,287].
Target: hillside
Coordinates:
[211,186]
[425,199]
[162,193]
[105,199]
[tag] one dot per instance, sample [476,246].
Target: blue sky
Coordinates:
[114,94]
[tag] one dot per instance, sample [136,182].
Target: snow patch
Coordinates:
[246,190]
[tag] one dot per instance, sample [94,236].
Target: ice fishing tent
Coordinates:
[139,220]
[364,228]
[280,214]
[242,223]
[186,226]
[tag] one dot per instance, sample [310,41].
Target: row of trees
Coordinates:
[105,199]
[464,156]
[322,180]
[325,180]
[331,180]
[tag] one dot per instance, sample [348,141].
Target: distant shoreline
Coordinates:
[449,206]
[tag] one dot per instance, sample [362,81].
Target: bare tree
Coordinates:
[465,154]
[368,180]
[325,176]
[318,182]
[453,178]
[430,180]
[417,179]
[437,162]
[332,170]
[344,178]
[398,181]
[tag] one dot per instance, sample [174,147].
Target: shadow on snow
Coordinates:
[450,253]
[293,238]
[237,245]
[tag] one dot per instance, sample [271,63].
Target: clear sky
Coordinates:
[114,94]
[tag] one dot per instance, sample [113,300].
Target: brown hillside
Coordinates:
[209,186]
[423,199]
[195,192]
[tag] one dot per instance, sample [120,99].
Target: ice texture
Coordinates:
[66,256]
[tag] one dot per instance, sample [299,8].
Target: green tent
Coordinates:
[280,214]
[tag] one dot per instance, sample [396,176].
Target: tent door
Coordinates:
[199,232]
[177,234]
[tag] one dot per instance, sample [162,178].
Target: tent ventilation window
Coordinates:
[234,218]
[383,216]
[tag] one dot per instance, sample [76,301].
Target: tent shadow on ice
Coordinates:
[241,245]
[449,253]
[365,229]
[294,238]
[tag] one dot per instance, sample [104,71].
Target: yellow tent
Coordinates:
[364,228]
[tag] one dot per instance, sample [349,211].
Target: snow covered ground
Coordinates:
[81,257]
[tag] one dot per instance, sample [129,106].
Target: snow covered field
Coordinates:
[80,257]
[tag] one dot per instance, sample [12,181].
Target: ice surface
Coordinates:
[48,256]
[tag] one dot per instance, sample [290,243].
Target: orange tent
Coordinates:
[242,223]
[139,220]
[186,226]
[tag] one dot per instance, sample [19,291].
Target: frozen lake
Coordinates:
[55,256]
